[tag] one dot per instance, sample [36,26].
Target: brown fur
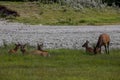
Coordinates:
[22,48]
[103,40]
[13,51]
[39,47]
[88,49]
[40,51]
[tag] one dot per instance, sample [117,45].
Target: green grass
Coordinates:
[54,14]
[63,64]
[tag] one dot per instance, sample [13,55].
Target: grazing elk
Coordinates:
[103,40]
[88,49]
[13,51]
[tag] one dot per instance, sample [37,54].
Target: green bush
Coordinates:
[111,2]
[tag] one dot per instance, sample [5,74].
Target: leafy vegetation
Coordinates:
[109,2]
[63,64]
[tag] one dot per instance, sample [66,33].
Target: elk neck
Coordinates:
[39,48]
[16,48]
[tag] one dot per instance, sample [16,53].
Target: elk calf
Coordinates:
[39,51]
[13,51]
[88,49]
[42,53]
[22,48]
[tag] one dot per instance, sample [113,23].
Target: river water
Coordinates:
[53,37]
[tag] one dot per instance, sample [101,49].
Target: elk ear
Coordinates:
[87,41]
[41,45]
[83,45]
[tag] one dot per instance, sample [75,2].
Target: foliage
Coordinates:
[111,2]
[76,2]
[5,12]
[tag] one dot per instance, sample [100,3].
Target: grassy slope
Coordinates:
[63,64]
[55,15]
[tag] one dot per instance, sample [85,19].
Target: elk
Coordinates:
[103,40]
[39,47]
[13,51]
[42,53]
[39,51]
[22,48]
[88,49]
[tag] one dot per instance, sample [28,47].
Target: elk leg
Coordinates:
[100,50]
[105,48]
[108,47]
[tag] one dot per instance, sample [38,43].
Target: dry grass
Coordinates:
[54,14]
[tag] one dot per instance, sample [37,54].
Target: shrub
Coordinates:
[111,2]
[4,12]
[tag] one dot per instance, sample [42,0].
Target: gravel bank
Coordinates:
[57,36]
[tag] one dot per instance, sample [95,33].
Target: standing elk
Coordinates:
[103,40]
[13,51]
[88,49]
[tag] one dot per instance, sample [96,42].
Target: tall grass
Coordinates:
[63,64]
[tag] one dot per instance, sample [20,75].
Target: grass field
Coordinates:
[54,14]
[63,64]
